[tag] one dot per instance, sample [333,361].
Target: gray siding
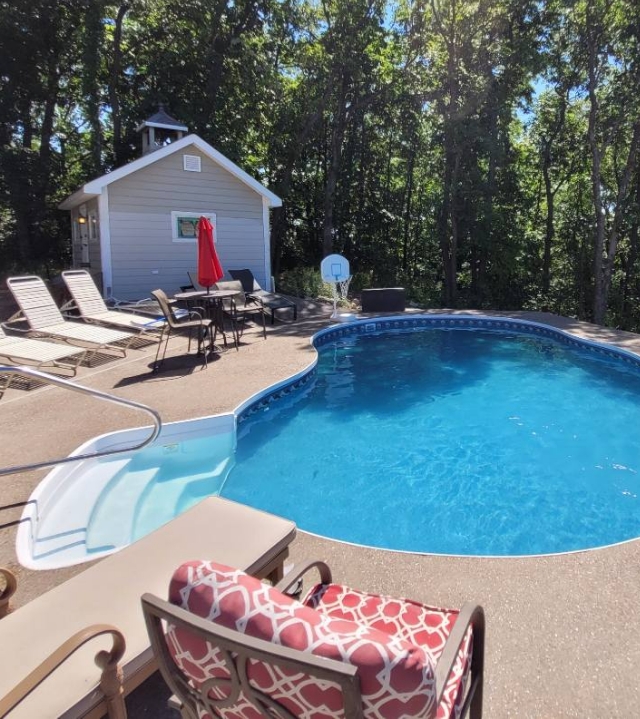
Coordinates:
[143,253]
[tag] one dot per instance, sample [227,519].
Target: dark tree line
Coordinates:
[482,153]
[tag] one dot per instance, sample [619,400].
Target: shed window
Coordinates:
[184,225]
[191,163]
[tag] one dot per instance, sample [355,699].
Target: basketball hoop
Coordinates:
[335,272]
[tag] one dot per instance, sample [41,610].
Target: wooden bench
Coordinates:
[109,593]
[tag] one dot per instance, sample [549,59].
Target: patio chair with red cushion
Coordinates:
[233,646]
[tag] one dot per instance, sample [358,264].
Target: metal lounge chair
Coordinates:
[238,309]
[41,313]
[193,322]
[92,308]
[38,353]
[234,646]
[269,300]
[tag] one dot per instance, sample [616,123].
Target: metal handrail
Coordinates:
[81,389]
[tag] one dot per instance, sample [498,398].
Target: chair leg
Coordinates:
[264,324]
[156,364]
[235,330]
[477,667]
[201,343]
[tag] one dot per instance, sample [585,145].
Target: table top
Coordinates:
[204,295]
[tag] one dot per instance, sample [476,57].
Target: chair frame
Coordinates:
[172,324]
[268,300]
[84,292]
[38,311]
[236,310]
[238,649]
[24,350]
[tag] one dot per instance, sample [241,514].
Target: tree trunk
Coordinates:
[114,79]
[599,260]
[333,171]
[407,211]
[550,223]
[283,183]
[93,32]
[630,287]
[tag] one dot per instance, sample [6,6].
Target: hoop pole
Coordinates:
[335,297]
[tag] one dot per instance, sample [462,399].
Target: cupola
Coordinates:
[159,130]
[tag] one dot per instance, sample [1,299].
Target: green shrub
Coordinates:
[301,282]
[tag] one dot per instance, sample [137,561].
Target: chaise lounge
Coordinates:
[269,300]
[41,313]
[38,353]
[92,308]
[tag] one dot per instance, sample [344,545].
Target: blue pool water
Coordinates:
[474,442]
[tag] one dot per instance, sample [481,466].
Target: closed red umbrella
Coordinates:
[209,267]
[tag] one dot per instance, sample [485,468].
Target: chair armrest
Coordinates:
[196,313]
[11,584]
[16,317]
[470,614]
[12,329]
[139,307]
[299,570]
[108,661]
[68,305]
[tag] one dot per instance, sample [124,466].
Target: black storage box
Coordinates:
[384,299]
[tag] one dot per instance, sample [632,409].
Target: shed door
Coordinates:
[81,242]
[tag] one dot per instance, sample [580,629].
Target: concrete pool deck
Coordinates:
[562,632]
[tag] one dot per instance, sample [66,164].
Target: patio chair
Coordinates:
[238,309]
[192,321]
[92,308]
[38,353]
[10,586]
[269,300]
[236,647]
[44,319]
[193,279]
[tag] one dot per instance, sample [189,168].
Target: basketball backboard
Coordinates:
[335,268]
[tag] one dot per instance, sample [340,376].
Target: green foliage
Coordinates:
[301,282]
[480,154]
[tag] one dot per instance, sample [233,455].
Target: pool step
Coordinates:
[112,518]
[163,500]
[75,499]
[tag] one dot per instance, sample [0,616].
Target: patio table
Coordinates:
[213,302]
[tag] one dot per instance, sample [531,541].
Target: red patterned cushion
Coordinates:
[420,624]
[396,677]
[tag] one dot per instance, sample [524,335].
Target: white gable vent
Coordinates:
[191,163]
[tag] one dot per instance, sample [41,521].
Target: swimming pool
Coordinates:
[470,436]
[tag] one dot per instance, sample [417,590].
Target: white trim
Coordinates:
[105,242]
[161,125]
[266,234]
[95,187]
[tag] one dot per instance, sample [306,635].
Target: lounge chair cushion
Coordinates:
[396,676]
[420,624]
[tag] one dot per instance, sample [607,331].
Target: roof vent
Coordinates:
[191,163]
